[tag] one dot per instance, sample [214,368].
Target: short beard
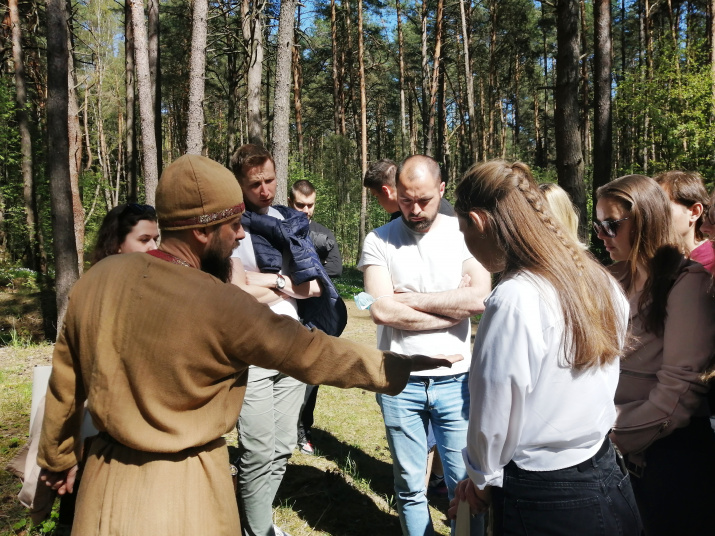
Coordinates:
[214,261]
[419,226]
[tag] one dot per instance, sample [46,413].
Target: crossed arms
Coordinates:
[262,286]
[422,311]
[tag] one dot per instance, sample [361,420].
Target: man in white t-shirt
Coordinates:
[267,425]
[427,286]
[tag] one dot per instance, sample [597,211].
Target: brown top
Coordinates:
[660,387]
[161,353]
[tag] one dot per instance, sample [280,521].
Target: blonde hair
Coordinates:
[562,208]
[531,239]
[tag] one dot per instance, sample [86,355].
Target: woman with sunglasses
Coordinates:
[126,229]
[688,202]
[662,428]
[546,360]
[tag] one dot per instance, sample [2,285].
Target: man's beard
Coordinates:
[420,226]
[215,262]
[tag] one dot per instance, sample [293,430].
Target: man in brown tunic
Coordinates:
[159,349]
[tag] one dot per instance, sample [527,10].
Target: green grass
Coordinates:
[350,283]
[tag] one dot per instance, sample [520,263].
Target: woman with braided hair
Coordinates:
[547,351]
[662,428]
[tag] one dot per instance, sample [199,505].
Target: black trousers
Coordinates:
[676,494]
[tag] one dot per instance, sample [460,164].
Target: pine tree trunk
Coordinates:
[297,84]
[58,166]
[401,53]
[155,75]
[75,147]
[569,157]
[146,103]
[466,41]
[23,125]
[130,154]
[253,35]
[435,78]
[337,103]
[281,100]
[363,126]
[197,72]
[602,133]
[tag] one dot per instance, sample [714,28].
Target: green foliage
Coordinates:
[676,103]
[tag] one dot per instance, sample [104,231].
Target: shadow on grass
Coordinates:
[326,502]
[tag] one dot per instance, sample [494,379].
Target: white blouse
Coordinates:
[527,404]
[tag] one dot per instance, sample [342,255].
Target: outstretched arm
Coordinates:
[462,302]
[388,311]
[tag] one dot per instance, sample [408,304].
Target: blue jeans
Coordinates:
[593,498]
[442,401]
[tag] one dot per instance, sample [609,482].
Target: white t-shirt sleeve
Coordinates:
[508,348]
[373,252]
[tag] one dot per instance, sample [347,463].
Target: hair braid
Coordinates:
[537,201]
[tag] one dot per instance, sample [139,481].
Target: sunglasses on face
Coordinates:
[609,228]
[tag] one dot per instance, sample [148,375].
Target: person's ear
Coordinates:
[390,193]
[441,189]
[479,218]
[696,211]
[201,235]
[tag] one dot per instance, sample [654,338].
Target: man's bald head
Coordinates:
[419,192]
[418,167]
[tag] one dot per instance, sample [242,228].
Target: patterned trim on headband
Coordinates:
[208,219]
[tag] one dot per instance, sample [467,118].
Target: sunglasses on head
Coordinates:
[609,228]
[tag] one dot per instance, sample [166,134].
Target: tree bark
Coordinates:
[363,125]
[197,73]
[23,124]
[130,159]
[58,157]
[146,103]
[75,145]
[337,103]
[569,157]
[281,100]
[297,85]
[401,53]
[435,78]
[472,130]
[602,133]
[251,12]
[155,75]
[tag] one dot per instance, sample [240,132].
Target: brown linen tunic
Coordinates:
[160,352]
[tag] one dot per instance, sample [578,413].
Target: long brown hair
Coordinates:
[531,239]
[656,245]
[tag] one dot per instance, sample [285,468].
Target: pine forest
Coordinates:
[97,96]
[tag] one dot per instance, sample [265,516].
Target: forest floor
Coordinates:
[345,489]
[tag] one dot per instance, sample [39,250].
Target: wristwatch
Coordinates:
[280,282]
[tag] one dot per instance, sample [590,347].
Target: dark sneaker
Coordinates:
[437,487]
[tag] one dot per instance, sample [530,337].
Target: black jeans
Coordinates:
[676,494]
[593,498]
